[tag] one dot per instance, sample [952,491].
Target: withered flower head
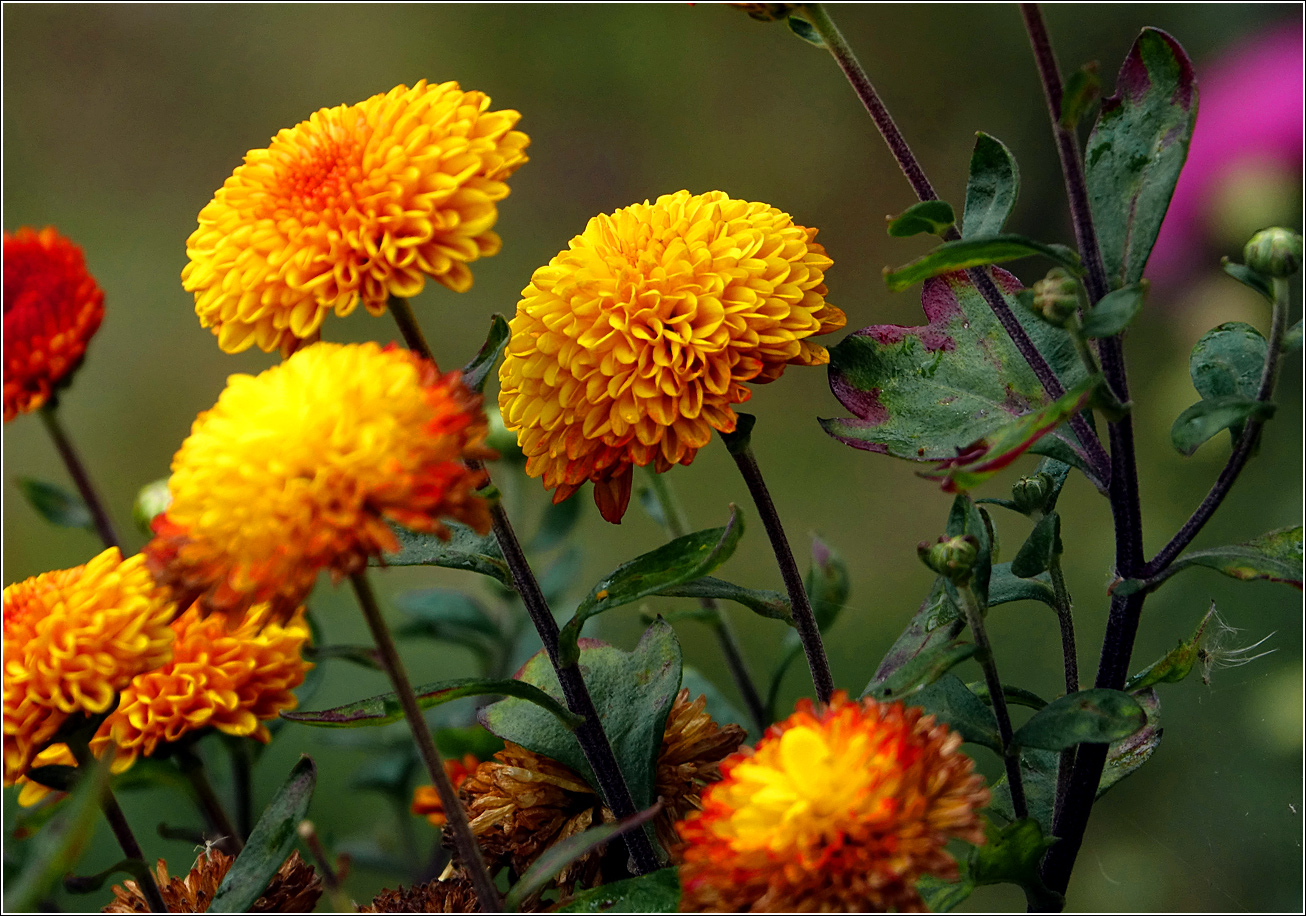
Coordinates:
[295,888]
[452,895]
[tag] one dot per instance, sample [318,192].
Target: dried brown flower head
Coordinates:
[452,895]
[295,888]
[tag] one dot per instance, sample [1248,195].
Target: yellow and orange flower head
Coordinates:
[834,811]
[359,202]
[52,309]
[228,677]
[426,801]
[630,347]
[73,638]
[300,468]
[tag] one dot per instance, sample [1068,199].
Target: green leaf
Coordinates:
[943,896]
[1249,278]
[984,457]
[269,843]
[929,216]
[364,656]
[1017,695]
[656,892]
[55,504]
[1094,716]
[936,624]
[1176,664]
[1276,556]
[948,700]
[1082,89]
[682,560]
[978,251]
[1292,339]
[828,584]
[1228,362]
[633,692]
[562,853]
[1012,856]
[1125,756]
[1210,415]
[1040,548]
[478,370]
[926,393]
[384,708]
[1115,311]
[558,521]
[760,601]
[991,189]
[923,670]
[1038,775]
[806,31]
[465,549]
[1005,586]
[449,616]
[1136,151]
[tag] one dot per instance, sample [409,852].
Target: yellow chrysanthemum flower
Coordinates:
[630,347]
[73,638]
[358,202]
[299,469]
[228,678]
[834,811]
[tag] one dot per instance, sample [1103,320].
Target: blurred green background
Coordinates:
[121,121]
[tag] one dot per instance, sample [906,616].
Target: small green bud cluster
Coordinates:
[1056,297]
[1030,494]
[952,558]
[1275,252]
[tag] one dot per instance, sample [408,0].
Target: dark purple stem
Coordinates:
[77,470]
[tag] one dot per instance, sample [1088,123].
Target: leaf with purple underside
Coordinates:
[927,393]
[1137,150]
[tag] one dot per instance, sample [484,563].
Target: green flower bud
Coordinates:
[153,499]
[952,558]
[1030,494]
[502,439]
[1056,297]
[1275,252]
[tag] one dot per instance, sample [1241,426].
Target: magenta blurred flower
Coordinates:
[1249,124]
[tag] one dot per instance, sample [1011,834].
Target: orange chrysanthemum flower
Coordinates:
[228,678]
[630,347]
[73,638]
[426,801]
[52,309]
[299,469]
[834,811]
[358,202]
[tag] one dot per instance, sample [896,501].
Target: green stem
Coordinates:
[77,470]
[1070,658]
[997,696]
[677,525]
[409,328]
[214,812]
[242,785]
[487,896]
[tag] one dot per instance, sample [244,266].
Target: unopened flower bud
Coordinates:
[1275,252]
[153,499]
[1056,297]
[952,558]
[1030,494]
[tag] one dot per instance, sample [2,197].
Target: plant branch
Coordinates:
[804,618]
[77,470]
[677,525]
[193,768]
[487,896]
[1247,442]
[414,339]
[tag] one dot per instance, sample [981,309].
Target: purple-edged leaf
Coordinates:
[976,251]
[1137,150]
[983,458]
[1128,754]
[1275,556]
[925,393]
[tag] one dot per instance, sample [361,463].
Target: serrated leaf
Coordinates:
[1039,549]
[934,217]
[1115,311]
[384,708]
[478,370]
[924,393]
[1082,89]
[1249,278]
[682,560]
[269,843]
[948,700]
[1208,416]
[805,30]
[760,601]
[632,691]
[977,251]
[465,549]
[1125,756]
[656,892]
[1228,361]
[981,459]
[923,670]
[1094,716]
[55,504]
[991,189]
[1136,151]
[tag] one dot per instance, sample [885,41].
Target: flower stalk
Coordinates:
[192,767]
[486,894]
[1069,655]
[77,470]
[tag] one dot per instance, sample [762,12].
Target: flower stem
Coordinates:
[804,618]
[590,735]
[242,785]
[193,768]
[981,277]
[677,525]
[54,426]
[122,831]
[340,901]
[487,897]
[1070,659]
